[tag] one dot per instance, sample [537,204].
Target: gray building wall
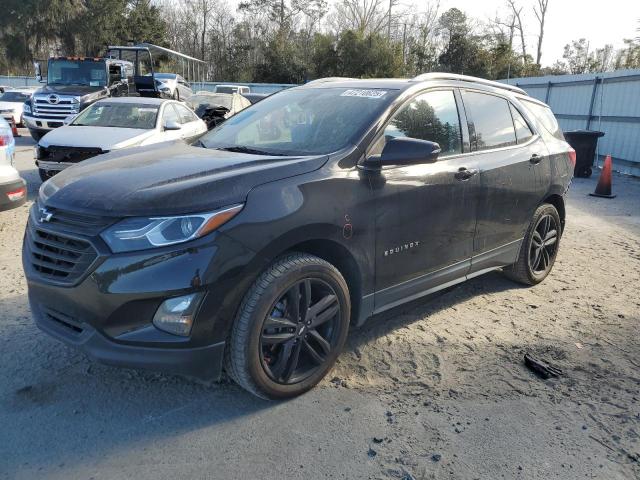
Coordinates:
[609,102]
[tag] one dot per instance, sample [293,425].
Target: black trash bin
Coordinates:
[584,142]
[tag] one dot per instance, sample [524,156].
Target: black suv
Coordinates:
[255,248]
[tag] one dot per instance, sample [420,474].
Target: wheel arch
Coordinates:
[340,257]
[558,202]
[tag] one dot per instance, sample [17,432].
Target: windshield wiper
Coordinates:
[245,149]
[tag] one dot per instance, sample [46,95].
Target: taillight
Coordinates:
[4,140]
[572,156]
[18,194]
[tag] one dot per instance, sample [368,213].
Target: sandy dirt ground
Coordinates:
[436,389]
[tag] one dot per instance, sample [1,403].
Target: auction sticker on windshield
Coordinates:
[364,93]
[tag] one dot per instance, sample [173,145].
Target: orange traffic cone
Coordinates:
[603,189]
[14,129]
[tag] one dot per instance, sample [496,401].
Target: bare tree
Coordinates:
[361,15]
[501,29]
[517,15]
[541,13]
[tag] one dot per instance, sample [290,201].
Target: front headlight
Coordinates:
[141,233]
[26,108]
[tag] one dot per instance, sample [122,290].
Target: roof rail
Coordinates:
[467,78]
[328,79]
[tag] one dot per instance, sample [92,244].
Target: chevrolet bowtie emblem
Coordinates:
[45,215]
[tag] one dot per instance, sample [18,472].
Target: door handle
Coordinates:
[465,173]
[535,159]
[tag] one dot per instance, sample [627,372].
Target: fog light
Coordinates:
[176,315]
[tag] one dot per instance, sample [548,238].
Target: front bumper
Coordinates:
[11,117]
[53,166]
[107,310]
[41,123]
[201,363]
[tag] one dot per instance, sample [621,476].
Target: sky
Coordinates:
[600,22]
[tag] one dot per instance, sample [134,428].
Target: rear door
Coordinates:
[508,155]
[425,213]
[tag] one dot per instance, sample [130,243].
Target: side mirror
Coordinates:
[38,71]
[409,151]
[68,119]
[172,125]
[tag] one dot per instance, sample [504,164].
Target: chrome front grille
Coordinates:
[61,108]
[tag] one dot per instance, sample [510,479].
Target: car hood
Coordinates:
[11,105]
[166,179]
[106,138]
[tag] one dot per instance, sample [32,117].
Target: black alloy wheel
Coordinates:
[300,332]
[539,247]
[544,245]
[290,327]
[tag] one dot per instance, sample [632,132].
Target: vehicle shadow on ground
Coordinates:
[416,310]
[48,386]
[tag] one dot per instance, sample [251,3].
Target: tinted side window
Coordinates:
[544,115]
[523,132]
[430,116]
[490,123]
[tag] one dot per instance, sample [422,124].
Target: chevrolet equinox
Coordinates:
[253,249]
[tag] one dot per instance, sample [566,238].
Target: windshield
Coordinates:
[77,72]
[14,97]
[120,115]
[305,121]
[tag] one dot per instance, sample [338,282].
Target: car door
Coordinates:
[425,213]
[507,153]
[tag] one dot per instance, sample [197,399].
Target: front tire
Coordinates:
[539,247]
[290,327]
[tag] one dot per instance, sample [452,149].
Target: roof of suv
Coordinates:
[404,83]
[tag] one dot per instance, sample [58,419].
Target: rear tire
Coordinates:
[278,350]
[539,248]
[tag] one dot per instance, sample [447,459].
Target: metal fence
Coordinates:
[197,86]
[609,102]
